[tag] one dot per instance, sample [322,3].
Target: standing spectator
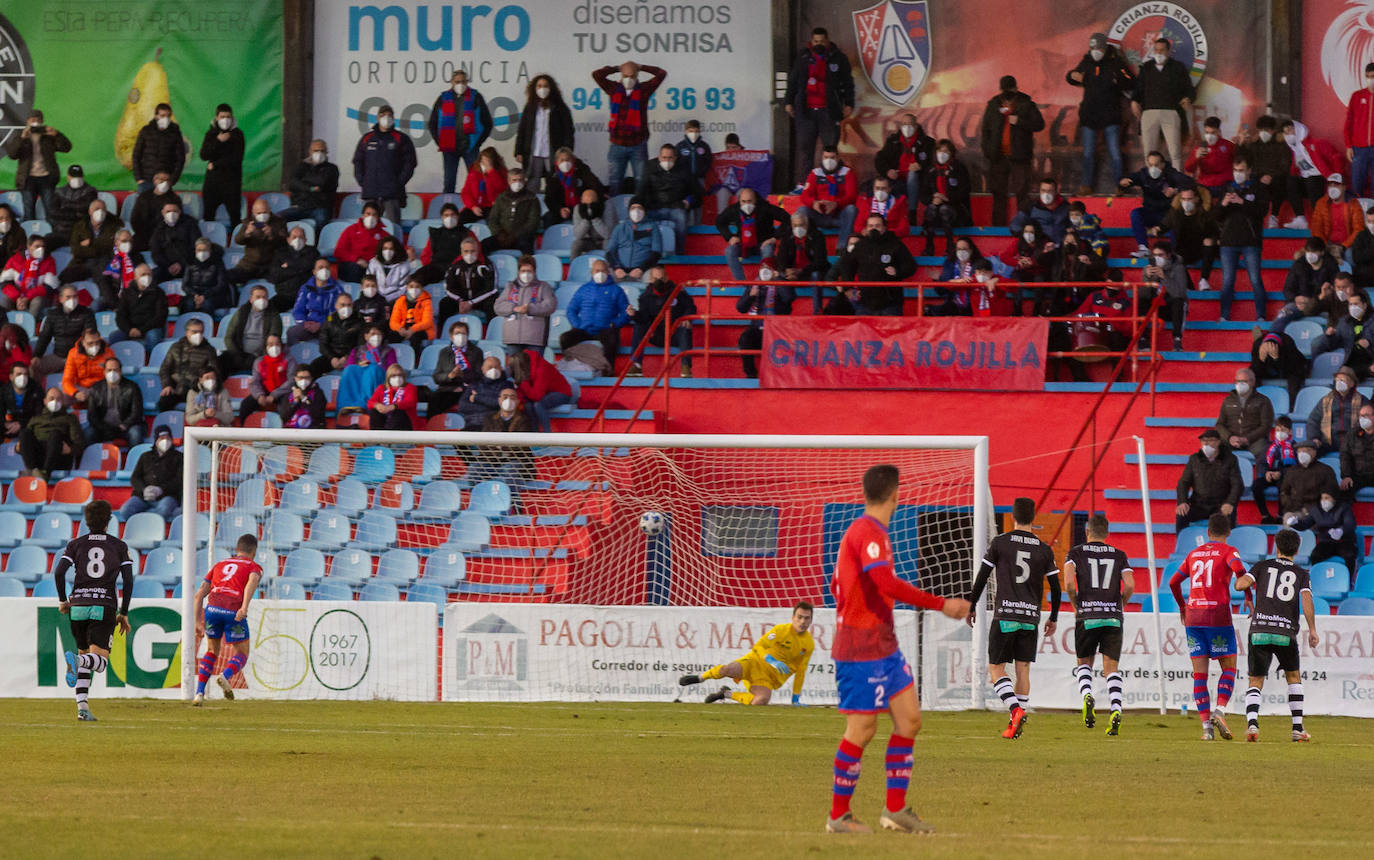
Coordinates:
[1337,413]
[18,401]
[85,366]
[412,315]
[765,299]
[209,404]
[546,126]
[115,409]
[750,227]
[1332,522]
[1278,457]
[459,122]
[391,268]
[1246,417]
[92,243]
[945,193]
[313,304]
[36,148]
[540,384]
[1162,99]
[12,238]
[156,480]
[304,406]
[141,314]
[1336,220]
[205,284]
[119,273]
[1357,454]
[1359,136]
[159,148]
[830,194]
[1350,335]
[1241,221]
[148,208]
[393,405]
[1304,483]
[249,332]
[383,163]
[820,93]
[339,334]
[651,303]
[222,151]
[459,365]
[184,364]
[634,245]
[879,256]
[1193,226]
[443,246]
[52,439]
[290,267]
[629,119]
[14,348]
[29,277]
[364,370]
[881,201]
[567,185]
[71,203]
[668,192]
[1158,185]
[358,243]
[526,303]
[262,235]
[695,156]
[1010,122]
[514,216]
[482,397]
[1049,210]
[469,284]
[483,186]
[1170,273]
[274,374]
[314,182]
[1210,161]
[1313,160]
[906,155]
[801,255]
[1105,79]
[1210,483]
[62,328]
[1271,160]
[593,222]
[173,246]
[597,311]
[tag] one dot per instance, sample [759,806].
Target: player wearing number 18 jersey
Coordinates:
[1098,577]
[230,585]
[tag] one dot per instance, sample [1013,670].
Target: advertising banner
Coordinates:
[530,652]
[988,354]
[301,650]
[98,70]
[1337,42]
[404,54]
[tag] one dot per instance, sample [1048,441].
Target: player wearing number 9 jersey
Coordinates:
[1207,620]
[230,586]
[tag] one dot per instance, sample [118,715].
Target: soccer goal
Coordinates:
[522,567]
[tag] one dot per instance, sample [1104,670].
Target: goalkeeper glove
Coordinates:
[796,700]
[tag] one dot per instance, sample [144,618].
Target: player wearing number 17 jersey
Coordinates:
[1207,620]
[870,671]
[230,585]
[1098,577]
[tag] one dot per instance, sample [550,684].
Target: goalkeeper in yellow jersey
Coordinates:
[784,650]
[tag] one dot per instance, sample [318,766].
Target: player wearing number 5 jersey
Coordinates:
[870,671]
[230,586]
[1207,620]
[97,559]
[1098,577]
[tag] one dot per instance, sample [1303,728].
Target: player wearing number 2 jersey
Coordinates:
[1207,620]
[230,585]
[1098,577]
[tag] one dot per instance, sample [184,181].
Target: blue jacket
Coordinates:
[1153,189]
[1321,522]
[1053,219]
[634,246]
[597,307]
[383,163]
[696,156]
[314,304]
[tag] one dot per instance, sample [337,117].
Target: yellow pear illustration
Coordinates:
[148,91]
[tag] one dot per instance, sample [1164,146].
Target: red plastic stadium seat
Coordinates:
[237,385]
[72,491]
[261,419]
[353,420]
[28,491]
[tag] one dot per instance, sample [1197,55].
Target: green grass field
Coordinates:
[607,780]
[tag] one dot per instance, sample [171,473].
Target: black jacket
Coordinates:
[1269,159]
[338,336]
[1242,224]
[651,303]
[770,222]
[1302,486]
[72,205]
[444,366]
[958,187]
[207,279]
[288,270]
[182,366]
[226,155]
[147,215]
[869,262]
[890,156]
[1162,89]
[1189,231]
[1213,482]
[1357,455]
[561,131]
[839,82]
[156,469]
[582,179]
[446,245]
[21,412]
[474,283]
[1303,280]
[757,304]
[308,177]
[102,239]
[20,148]
[62,329]
[316,404]
[128,401]
[1105,84]
[815,261]
[145,310]
[159,151]
[486,402]
[1152,190]
[667,189]
[1362,258]
[1023,132]
[175,244]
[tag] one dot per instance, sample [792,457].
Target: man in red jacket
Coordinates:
[1210,162]
[358,243]
[880,201]
[830,193]
[1359,136]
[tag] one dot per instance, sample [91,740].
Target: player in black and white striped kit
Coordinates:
[1280,586]
[98,559]
[1099,579]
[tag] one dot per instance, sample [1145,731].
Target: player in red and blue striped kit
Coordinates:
[230,586]
[870,670]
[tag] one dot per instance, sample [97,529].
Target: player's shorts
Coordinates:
[1262,657]
[866,686]
[1211,642]
[92,626]
[221,624]
[758,673]
[1018,646]
[1104,640]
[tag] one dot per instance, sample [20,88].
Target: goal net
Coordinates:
[519,567]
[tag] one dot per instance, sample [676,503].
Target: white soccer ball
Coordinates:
[651,523]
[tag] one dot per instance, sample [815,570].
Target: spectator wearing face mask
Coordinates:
[1351,335]
[1088,227]
[669,191]
[62,329]
[882,200]
[222,151]
[481,397]
[141,314]
[372,308]
[945,193]
[148,208]
[14,348]
[1241,221]
[209,404]
[364,370]
[597,311]
[18,401]
[469,284]
[205,283]
[1210,483]
[905,156]
[960,267]
[695,156]
[1279,455]
[1158,185]
[304,405]
[36,148]
[1210,161]
[483,186]
[1314,159]
[114,409]
[443,246]
[383,163]
[412,316]
[1362,252]
[459,364]
[526,303]
[1246,417]
[1031,258]
[71,203]
[393,404]
[1077,262]
[1337,413]
[1269,155]
[392,267]
[1306,482]
[1105,78]
[593,222]
[546,126]
[156,480]
[274,375]
[801,255]
[1193,226]
[1162,99]
[459,123]
[1169,273]
[183,366]
[507,418]
[159,148]
[764,299]
[12,237]
[567,186]
[540,385]
[514,217]
[29,278]
[1359,136]
[85,366]
[828,199]
[750,227]
[1049,210]
[1357,454]
[820,94]
[173,245]
[341,332]
[651,303]
[249,331]
[1336,220]
[879,256]
[1010,122]
[314,182]
[52,439]
[634,245]
[262,235]
[628,123]
[92,242]
[1332,521]
[291,266]
[313,305]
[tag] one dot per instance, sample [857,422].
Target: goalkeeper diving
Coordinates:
[784,650]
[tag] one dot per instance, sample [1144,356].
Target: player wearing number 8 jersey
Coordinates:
[1098,577]
[1207,620]
[230,586]
[870,671]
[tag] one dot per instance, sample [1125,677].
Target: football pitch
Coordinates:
[391,780]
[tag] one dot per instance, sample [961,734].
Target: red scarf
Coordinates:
[31,273]
[880,207]
[627,116]
[908,153]
[569,189]
[815,82]
[460,358]
[942,180]
[273,371]
[747,235]
[122,267]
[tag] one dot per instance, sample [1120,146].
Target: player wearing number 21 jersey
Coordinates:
[230,586]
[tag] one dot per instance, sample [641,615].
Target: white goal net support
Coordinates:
[521,567]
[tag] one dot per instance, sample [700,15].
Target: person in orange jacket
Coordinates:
[412,315]
[85,365]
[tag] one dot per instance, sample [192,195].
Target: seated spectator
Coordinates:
[1158,183]
[1246,417]
[506,419]
[444,245]
[14,348]
[1276,356]
[1357,454]
[358,243]
[391,268]
[303,406]
[1210,483]
[340,333]
[118,274]
[945,192]
[1362,252]
[1048,209]
[960,267]
[1306,482]
[732,143]
[469,284]
[313,185]
[750,227]
[364,370]
[262,236]
[459,364]
[1210,161]
[828,198]
[85,366]
[526,303]
[1314,159]
[1350,335]
[568,186]
[52,439]
[669,192]
[765,299]
[209,404]
[1088,227]
[92,243]
[148,209]
[12,238]
[1332,522]
[29,277]
[71,203]
[1170,273]
[393,404]
[1337,413]
[903,160]
[801,254]
[156,480]
[635,245]
[482,397]
[114,409]
[273,376]
[879,256]
[205,284]
[1272,159]
[597,311]
[1031,258]
[412,316]
[1312,271]
[540,384]
[651,303]
[882,201]
[514,217]
[290,267]
[1193,226]
[483,186]
[18,401]
[1337,221]
[313,304]
[1076,262]
[593,222]
[184,365]
[173,245]
[62,327]
[141,314]
[248,331]
[1278,457]
[372,309]
[845,300]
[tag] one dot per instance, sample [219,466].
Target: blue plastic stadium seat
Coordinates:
[446,566]
[283,530]
[350,497]
[328,590]
[146,530]
[11,587]
[1364,581]
[471,531]
[376,531]
[380,592]
[305,564]
[163,564]
[324,462]
[424,592]
[490,497]
[51,530]
[1356,606]
[284,588]
[329,530]
[28,562]
[1188,540]
[1307,400]
[13,529]
[438,502]
[351,566]
[45,587]
[374,464]
[231,525]
[148,589]
[300,497]
[398,566]
[1330,580]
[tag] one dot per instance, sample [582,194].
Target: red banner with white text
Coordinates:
[985,354]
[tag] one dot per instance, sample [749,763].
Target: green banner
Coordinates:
[97,69]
